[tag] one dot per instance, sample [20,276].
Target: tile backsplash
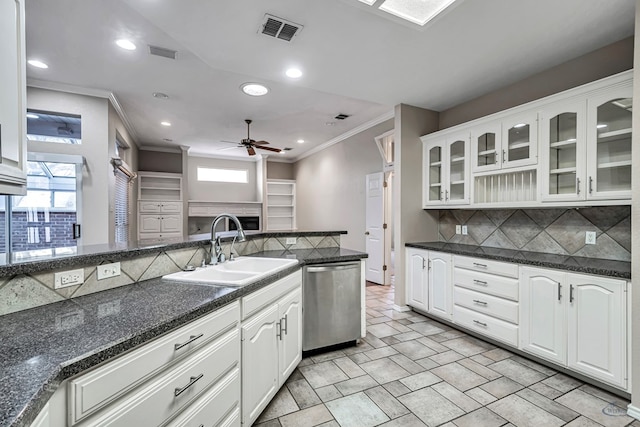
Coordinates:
[556,231]
[26,291]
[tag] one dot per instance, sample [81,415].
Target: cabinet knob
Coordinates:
[366,233]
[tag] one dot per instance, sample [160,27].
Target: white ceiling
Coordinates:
[356,60]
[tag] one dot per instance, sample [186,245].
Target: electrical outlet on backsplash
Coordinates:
[557,231]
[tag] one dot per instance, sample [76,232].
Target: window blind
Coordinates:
[122,203]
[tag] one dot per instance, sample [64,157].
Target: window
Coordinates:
[121,148]
[54,127]
[122,203]
[222,175]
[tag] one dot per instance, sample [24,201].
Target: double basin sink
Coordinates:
[238,272]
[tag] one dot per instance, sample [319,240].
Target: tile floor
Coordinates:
[413,371]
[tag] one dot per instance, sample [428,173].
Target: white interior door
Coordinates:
[374,233]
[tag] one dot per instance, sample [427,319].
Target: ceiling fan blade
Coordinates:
[251,151]
[260,142]
[229,142]
[229,148]
[275,150]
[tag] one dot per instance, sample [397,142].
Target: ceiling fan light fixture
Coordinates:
[254,89]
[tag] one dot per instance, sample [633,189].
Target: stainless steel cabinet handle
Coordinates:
[446,195]
[279,330]
[178,391]
[578,186]
[477,322]
[570,293]
[504,154]
[590,185]
[441,195]
[192,338]
[286,325]
[429,264]
[332,268]
[477,301]
[424,263]
[479,282]
[477,264]
[559,289]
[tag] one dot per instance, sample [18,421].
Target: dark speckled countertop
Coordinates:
[602,267]
[43,346]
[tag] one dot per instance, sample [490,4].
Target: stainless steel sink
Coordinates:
[239,272]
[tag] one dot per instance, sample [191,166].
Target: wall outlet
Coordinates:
[458,229]
[291,240]
[464,230]
[108,270]
[68,278]
[590,238]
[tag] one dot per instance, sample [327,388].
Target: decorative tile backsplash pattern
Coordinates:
[31,290]
[556,231]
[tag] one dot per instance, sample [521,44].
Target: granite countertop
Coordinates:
[43,346]
[602,267]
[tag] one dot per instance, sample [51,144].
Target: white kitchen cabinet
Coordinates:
[159,205]
[446,171]
[440,289]
[609,143]
[543,313]
[271,342]
[417,278]
[13,102]
[576,320]
[596,327]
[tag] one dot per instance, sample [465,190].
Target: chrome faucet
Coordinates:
[216,247]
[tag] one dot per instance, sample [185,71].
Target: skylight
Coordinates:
[416,11]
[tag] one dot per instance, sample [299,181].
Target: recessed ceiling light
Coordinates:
[38,64]
[519,125]
[417,11]
[32,116]
[126,44]
[330,123]
[294,73]
[601,126]
[254,89]
[301,141]
[369,2]
[160,95]
[167,139]
[165,123]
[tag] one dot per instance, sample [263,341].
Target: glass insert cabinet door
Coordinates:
[609,127]
[564,142]
[435,174]
[457,191]
[519,137]
[487,147]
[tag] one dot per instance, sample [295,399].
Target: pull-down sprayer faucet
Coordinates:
[216,247]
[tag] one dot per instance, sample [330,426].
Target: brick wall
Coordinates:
[59,225]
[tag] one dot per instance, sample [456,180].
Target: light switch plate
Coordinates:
[464,230]
[590,238]
[108,270]
[458,229]
[291,240]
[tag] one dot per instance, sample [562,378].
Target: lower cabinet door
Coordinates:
[597,327]
[259,362]
[290,337]
[440,287]
[543,311]
[417,278]
[150,224]
[171,223]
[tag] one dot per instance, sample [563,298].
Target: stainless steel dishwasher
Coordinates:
[331,304]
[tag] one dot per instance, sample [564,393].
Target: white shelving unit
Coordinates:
[159,205]
[281,204]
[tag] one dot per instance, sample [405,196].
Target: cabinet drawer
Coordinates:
[173,390]
[487,325]
[487,304]
[216,406]
[171,207]
[486,283]
[254,302]
[93,390]
[487,266]
[151,207]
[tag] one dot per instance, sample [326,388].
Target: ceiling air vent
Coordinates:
[279,28]
[161,51]
[341,116]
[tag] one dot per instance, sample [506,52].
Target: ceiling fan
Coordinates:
[250,144]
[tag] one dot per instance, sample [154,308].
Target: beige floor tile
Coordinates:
[461,400]
[421,380]
[458,376]
[408,364]
[501,387]
[303,394]
[426,328]
[545,390]
[328,393]
[322,374]
[467,346]
[429,405]
[497,354]
[611,398]
[414,350]
[409,420]
[479,369]
[357,410]
[349,367]
[396,388]
[385,401]
[384,370]
[446,357]
[433,345]
[583,422]
[522,413]
[562,383]
[312,416]
[382,330]
[381,352]
[282,404]
[517,372]
[356,385]
[548,405]
[595,408]
[480,396]
[481,417]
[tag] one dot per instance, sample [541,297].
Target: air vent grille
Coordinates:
[279,28]
[161,51]
[341,116]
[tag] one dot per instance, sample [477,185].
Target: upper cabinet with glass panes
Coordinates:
[568,149]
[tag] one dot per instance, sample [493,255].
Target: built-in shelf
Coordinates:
[457,159]
[562,171]
[519,145]
[460,182]
[487,153]
[433,164]
[610,165]
[281,205]
[614,134]
[435,185]
[569,143]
